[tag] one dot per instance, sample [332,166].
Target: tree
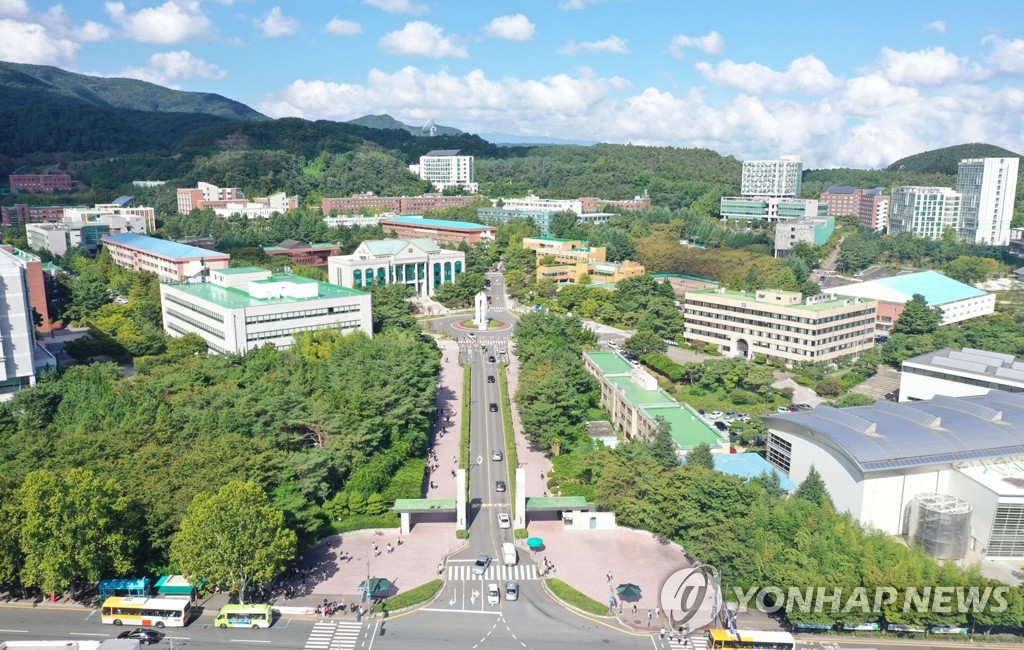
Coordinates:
[663,448]
[701,456]
[233,538]
[813,489]
[76,526]
[88,294]
[644,342]
[391,307]
[10,533]
[563,224]
[918,317]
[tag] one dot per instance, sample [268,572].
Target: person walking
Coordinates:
[634,609]
[609,576]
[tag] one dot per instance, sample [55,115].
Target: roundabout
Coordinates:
[470,326]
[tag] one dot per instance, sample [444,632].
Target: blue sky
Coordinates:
[840,86]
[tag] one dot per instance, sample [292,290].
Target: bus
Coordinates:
[253,615]
[147,612]
[719,639]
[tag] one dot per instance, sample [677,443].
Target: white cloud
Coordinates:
[576,4]
[511,28]
[398,6]
[710,43]
[171,22]
[420,38]
[1007,57]
[58,24]
[930,67]
[935,26]
[24,42]
[14,8]
[610,45]
[340,27]
[168,68]
[276,24]
[807,74]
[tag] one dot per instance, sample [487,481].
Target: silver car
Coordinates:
[511,590]
[481,564]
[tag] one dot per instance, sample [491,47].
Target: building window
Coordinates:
[779,452]
[1007,537]
[357,275]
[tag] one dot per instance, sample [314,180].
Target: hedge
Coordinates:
[510,434]
[360,522]
[575,598]
[412,597]
[464,434]
[660,363]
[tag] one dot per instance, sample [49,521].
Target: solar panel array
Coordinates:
[972,409]
[917,416]
[844,418]
[1004,358]
[1002,397]
[1010,373]
[960,364]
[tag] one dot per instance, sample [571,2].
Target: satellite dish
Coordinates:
[429,128]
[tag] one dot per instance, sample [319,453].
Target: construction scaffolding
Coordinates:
[941,525]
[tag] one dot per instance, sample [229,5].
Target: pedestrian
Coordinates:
[324,574]
[454,459]
[609,576]
[634,609]
[375,550]
[390,548]
[663,631]
[650,617]
[440,568]
[399,540]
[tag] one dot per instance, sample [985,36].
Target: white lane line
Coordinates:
[375,626]
[248,641]
[87,634]
[460,611]
[14,631]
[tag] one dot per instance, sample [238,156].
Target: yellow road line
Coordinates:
[594,620]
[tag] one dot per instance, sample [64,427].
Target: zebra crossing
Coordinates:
[334,635]
[694,642]
[493,572]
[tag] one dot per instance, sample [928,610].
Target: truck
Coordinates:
[509,556]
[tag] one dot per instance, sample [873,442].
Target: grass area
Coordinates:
[510,434]
[575,598]
[359,522]
[719,401]
[464,434]
[492,324]
[412,597]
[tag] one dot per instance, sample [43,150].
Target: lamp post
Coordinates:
[366,586]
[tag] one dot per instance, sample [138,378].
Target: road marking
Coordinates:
[87,634]
[14,631]
[374,636]
[90,615]
[495,572]
[247,641]
[460,611]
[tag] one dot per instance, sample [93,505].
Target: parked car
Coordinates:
[496,455]
[493,407]
[730,415]
[793,408]
[487,283]
[721,426]
[805,407]
[782,409]
[145,634]
[701,411]
[714,415]
[492,594]
[743,417]
[499,486]
[511,590]
[481,564]
[504,521]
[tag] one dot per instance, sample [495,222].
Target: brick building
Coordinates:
[51,180]
[370,203]
[304,254]
[171,261]
[20,214]
[440,230]
[870,206]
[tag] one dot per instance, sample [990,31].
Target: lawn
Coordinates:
[719,401]
[412,597]
[575,598]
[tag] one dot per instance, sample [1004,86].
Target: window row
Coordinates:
[274,334]
[212,331]
[209,313]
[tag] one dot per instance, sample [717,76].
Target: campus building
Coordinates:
[196,198]
[813,231]
[870,206]
[600,273]
[957,300]
[566,251]
[121,214]
[581,206]
[244,308]
[171,261]
[770,208]
[50,181]
[542,218]
[778,178]
[959,373]
[59,238]
[945,472]
[445,168]
[636,404]
[988,187]
[21,357]
[370,203]
[779,324]
[21,214]
[924,211]
[417,263]
[304,254]
[35,283]
[442,231]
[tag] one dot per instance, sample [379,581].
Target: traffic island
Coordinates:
[570,597]
[492,326]
[409,599]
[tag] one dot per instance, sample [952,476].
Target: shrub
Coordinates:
[787,392]
[360,522]
[412,597]
[462,534]
[521,533]
[805,381]
[740,396]
[575,598]
[665,366]
[375,505]
[760,357]
[829,387]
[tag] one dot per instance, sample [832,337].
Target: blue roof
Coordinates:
[875,191]
[841,189]
[749,465]
[935,287]
[444,152]
[162,247]
[123,201]
[437,223]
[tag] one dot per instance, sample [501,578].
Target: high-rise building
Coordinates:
[772,177]
[871,206]
[446,168]
[924,211]
[20,357]
[988,187]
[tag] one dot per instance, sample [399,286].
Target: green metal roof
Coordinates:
[752,297]
[639,396]
[394,246]
[239,270]
[609,363]
[425,505]
[438,223]
[232,298]
[556,503]
[688,429]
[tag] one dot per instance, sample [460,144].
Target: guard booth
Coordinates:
[176,587]
[125,587]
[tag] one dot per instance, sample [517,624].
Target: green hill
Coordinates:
[945,160]
[388,122]
[25,85]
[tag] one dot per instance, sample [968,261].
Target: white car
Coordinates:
[504,521]
[714,415]
[493,595]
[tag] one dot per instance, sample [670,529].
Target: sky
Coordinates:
[841,84]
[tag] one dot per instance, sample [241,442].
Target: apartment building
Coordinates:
[568,251]
[442,231]
[445,168]
[780,324]
[244,308]
[870,206]
[21,214]
[370,203]
[924,211]
[171,261]
[50,181]
[417,263]
[813,231]
[988,187]
[196,198]
[777,178]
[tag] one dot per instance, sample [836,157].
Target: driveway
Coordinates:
[801,394]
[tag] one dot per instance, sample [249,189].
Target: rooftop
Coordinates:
[609,363]
[231,298]
[1004,479]
[436,223]
[687,428]
[637,395]
[751,296]
[164,248]
[750,465]
[841,189]
[941,431]
[974,363]
[393,246]
[444,152]
[936,288]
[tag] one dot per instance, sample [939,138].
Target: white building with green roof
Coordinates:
[418,263]
[243,308]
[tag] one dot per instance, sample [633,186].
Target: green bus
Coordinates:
[254,615]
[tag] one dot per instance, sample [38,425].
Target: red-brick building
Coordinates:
[440,230]
[304,254]
[870,206]
[594,204]
[52,180]
[21,213]
[373,204]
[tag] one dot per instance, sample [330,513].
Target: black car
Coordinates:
[499,486]
[721,426]
[493,408]
[145,634]
[490,379]
[491,358]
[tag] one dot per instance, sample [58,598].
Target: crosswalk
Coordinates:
[333,635]
[493,572]
[694,642]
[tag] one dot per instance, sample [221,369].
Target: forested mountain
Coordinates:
[945,160]
[29,85]
[387,122]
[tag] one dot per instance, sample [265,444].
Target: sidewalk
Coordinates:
[531,456]
[440,483]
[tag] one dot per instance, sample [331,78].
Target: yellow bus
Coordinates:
[749,640]
[147,612]
[253,615]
